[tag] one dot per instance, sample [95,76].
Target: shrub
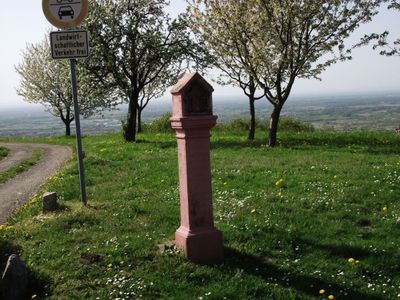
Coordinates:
[285,124]
[162,124]
[3,152]
[241,124]
[288,124]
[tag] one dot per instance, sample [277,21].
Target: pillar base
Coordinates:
[200,246]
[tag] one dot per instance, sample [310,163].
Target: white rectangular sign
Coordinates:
[69,44]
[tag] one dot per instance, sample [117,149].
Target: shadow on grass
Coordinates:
[311,143]
[344,251]
[6,249]
[218,144]
[159,144]
[353,142]
[60,208]
[236,144]
[38,284]
[257,266]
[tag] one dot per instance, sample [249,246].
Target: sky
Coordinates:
[23,22]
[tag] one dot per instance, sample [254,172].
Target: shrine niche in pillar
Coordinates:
[196,100]
[194,96]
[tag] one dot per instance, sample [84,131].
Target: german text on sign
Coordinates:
[69,44]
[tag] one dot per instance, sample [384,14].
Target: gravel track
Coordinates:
[17,154]
[16,191]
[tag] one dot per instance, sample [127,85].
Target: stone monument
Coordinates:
[192,119]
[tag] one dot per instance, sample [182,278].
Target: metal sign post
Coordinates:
[72,44]
[78,131]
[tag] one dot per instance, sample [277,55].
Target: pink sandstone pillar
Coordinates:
[192,119]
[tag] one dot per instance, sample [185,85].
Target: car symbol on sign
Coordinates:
[66,11]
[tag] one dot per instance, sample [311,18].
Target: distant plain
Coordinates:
[372,112]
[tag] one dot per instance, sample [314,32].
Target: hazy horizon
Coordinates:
[237,96]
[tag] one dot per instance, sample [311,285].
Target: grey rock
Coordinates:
[167,246]
[49,202]
[14,280]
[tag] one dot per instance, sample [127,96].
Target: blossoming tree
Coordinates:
[282,40]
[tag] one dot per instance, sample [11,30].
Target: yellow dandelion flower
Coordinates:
[331,297]
[2,227]
[10,228]
[351,260]
[322,291]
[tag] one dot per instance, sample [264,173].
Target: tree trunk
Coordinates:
[252,129]
[129,130]
[68,128]
[67,122]
[273,125]
[139,120]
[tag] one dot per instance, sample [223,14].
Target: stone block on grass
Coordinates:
[49,202]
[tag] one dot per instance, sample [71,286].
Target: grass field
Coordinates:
[317,216]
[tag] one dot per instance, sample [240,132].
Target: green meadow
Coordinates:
[315,218]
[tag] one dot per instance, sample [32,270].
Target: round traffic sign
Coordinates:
[65,13]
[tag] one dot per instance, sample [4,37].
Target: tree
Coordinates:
[286,40]
[381,40]
[151,91]
[48,82]
[135,48]
[219,31]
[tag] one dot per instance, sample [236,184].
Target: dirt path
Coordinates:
[18,153]
[19,189]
